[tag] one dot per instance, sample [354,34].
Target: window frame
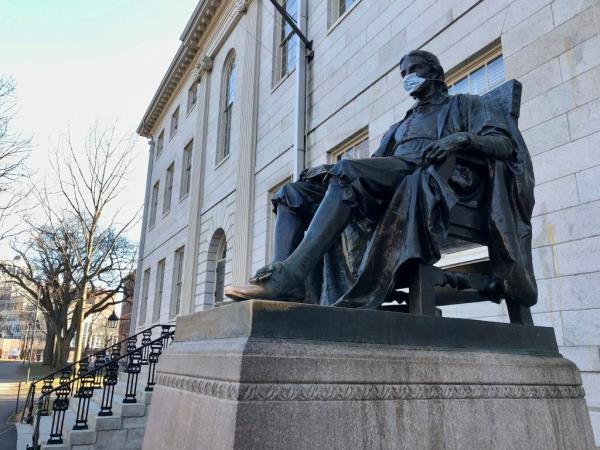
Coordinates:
[334,17]
[192,97]
[220,264]
[153,204]
[349,143]
[159,286]
[177,282]
[280,43]
[474,63]
[174,123]
[168,192]
[160,143]
[185,183]
[228,80]
[144,295]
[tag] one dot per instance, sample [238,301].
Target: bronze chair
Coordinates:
[430,286]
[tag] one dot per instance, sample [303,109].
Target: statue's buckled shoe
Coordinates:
[272,282]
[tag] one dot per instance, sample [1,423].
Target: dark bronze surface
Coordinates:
[456,167]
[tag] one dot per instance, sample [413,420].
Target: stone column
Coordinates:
[190,265]
[244,195]
[140,265]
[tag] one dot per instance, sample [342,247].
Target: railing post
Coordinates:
[85,393]
[134,366]
[29,404]
[35,437]
[100,360]
[46,388]
[60,406]
[110,380]
[153,360]
[146,339]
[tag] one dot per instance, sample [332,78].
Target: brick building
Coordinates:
[224,136]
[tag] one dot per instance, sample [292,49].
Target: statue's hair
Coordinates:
[430,59]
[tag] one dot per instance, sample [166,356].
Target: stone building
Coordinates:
[225,129]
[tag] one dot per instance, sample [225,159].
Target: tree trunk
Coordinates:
[79,316]
[49,345]
[62,351]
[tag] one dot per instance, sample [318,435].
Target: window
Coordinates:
[160,142]
[220,270]
[228,96]
[186,170]
[215,268]
[144,298]
[356,147]
[479,75]
[287,43]
[337,8]
[191,97]
[168,188]
[174,122]
[158,289]
[154,204]
[177,276]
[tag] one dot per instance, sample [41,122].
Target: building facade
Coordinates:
[21,331]
[227,125]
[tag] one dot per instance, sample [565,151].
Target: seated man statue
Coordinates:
[346,233]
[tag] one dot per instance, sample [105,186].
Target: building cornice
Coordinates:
[193,33]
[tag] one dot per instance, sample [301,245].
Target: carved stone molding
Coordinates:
[241,6]
[348,392]
[206,63]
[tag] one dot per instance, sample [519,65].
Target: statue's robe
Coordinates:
[365,264]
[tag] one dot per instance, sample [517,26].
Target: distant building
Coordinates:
[223,125]
[98,331]
[126,307]
[17,311]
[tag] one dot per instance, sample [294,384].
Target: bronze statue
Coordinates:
[348,234]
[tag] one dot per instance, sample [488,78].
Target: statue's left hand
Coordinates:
[439,150]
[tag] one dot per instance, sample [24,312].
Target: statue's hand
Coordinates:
[439,150]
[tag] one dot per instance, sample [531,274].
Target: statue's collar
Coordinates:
[436,99]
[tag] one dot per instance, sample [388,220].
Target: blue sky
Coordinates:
[76,62]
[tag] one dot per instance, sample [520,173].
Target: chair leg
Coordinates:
[519,314]
[421,294]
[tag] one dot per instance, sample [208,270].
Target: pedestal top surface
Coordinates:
[259,319]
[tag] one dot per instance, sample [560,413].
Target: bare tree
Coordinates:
[51,270]
[91,180]
[14,150]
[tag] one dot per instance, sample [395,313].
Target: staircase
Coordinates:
[102,408]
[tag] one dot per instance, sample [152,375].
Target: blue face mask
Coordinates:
[412,82]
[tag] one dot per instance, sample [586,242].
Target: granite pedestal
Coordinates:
[273,375]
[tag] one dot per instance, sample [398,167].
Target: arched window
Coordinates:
[216,269]
[220,270]
[228,99]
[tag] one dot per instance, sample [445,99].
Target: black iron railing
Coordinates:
[82,367]
[82,387]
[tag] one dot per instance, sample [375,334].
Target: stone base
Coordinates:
[270,375]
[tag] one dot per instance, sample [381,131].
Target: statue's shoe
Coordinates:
[272,282]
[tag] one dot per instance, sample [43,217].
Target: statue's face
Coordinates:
[417,65]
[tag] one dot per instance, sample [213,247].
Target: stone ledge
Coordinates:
[261,319]
[344,392]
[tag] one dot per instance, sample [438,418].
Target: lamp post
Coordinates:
[37,303]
